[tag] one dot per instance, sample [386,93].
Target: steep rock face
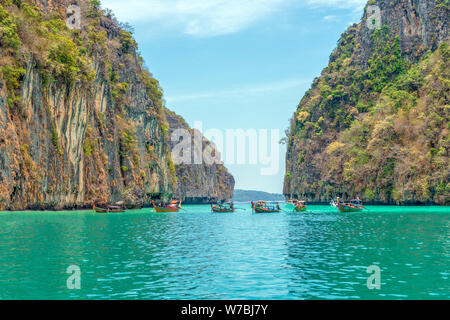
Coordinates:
[199,183]
[375,123]
[420,25]
[80,119]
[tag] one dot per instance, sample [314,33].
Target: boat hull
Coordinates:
[109,210]
[296,205]
[261,210]
[300,209]
[344,209]
[222,210]
[175,206]
[166,210]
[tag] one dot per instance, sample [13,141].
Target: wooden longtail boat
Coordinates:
[109,209]
[296,205]
[354,206]
[223,208]
[264,207]
[300,207]
[174,206]
[99,210]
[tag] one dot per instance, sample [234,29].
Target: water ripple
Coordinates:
[199,255]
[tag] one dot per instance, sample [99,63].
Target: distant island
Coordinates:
[251,195]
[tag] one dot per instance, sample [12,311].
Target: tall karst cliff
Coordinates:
[375,124]
[199,183]
[81,119]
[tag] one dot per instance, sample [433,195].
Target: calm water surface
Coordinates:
[199,255]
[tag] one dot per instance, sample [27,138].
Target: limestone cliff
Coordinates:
[375,123]
[200,183]
[81,119]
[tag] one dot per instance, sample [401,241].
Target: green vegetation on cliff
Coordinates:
[375,123]
[78,98]
[79,104]
[400,148]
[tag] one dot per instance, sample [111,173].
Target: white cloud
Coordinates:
[331,18]
[206,18]
[340,4]
[196,17]
[246,90]
[354,6]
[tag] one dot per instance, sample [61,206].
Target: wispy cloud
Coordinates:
[340,4]
[245,90]
[354,6]
[331,18]
[196,17]
[206,18]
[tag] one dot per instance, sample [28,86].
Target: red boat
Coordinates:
[174,206]
[353,206]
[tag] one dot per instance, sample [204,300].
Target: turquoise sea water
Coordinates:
[195,254]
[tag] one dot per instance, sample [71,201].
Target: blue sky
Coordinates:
[238,64]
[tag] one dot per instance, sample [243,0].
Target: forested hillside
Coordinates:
[375,124]
[81,119]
